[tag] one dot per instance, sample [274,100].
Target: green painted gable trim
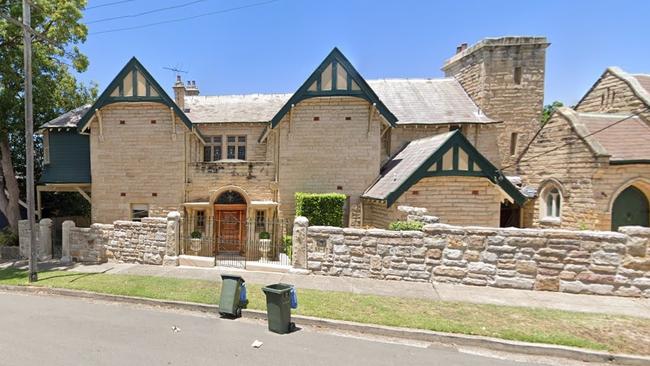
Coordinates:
[478,166]
[627,162]
[336,59]
[105,98]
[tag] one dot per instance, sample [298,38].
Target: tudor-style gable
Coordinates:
[131,85]
[335,77]
[449,154]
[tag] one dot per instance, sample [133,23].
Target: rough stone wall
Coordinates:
[138,158]
[134,242]
[84,246]
[611,94]
[322,155]
[573,166]
[455,200]
[603,263]
[254,150]
[486,72]
[588,185]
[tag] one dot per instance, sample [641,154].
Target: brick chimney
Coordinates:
[179,93]
[191,89]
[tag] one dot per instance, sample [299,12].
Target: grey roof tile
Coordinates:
[413,101]
[68,119]
[626,140]
[402,166]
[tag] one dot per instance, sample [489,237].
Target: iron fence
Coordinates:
[234,242]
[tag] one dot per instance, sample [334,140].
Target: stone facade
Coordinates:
[137,157]
[588,262]
[331,154]
[489,71]
[477,198]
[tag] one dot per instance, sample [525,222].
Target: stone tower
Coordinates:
[505,78]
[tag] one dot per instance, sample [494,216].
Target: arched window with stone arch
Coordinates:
[551,203]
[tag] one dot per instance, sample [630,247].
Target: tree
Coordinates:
[548,111]
[56,90]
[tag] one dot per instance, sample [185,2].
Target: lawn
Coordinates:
[618,334]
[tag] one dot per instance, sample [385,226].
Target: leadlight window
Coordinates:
[138,211]
[200,219]
[236,147]
[553,204]
[260,220]
[212,149]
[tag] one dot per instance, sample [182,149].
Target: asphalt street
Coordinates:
[50,330]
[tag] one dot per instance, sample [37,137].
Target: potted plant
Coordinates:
[265,244]
[195,241]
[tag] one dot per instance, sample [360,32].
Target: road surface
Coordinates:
[44,330]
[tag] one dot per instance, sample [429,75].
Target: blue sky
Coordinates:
[274,47]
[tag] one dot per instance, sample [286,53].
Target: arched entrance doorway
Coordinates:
[230,222]
[630,208]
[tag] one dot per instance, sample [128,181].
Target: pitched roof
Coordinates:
[428,101]
[234,108]
[638,83]
[427,157]
[412,101]
[618,136]
[68,119]
[644,81]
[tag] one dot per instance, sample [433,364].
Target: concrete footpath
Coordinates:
[438,291]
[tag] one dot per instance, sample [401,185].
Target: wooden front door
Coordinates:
[230,226]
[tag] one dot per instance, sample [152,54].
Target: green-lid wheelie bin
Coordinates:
[232,298]
[278,307]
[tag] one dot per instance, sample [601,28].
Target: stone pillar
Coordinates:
[45,239]
[173,239]
[299,243]
[23,238]
[66,237]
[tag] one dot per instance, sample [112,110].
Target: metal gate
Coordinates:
[233,242]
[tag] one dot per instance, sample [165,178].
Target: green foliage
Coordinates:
[321,208]
[265,235]
[287,245]
[196,234]
[405,225]
[8,239]
[548,111]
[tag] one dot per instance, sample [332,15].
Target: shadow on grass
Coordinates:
[12,273]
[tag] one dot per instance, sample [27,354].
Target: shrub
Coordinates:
[405,225]
[287,242]
[8,239]
[265,235]
[321,208]
[196,234]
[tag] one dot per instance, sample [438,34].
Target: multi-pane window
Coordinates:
[138,211]
[212,149]
[200,219]
[260,220]
[236,147]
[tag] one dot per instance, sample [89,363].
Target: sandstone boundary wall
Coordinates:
[589,262]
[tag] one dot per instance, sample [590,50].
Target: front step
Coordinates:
[195,261]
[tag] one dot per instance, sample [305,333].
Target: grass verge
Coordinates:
[619,334]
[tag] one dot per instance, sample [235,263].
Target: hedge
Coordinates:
[324,209]
[405,225]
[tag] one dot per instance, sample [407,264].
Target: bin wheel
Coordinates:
[239,313]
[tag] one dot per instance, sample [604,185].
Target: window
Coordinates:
[552,204]
[200,219]
[138,211]
[212,149]
[236,148]
[513,143]
[260,220]
[518,75]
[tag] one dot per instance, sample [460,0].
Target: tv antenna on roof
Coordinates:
[176,69]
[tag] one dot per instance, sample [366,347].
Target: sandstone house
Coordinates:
[457,146]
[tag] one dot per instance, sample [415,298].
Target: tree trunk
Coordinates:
[12,199]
